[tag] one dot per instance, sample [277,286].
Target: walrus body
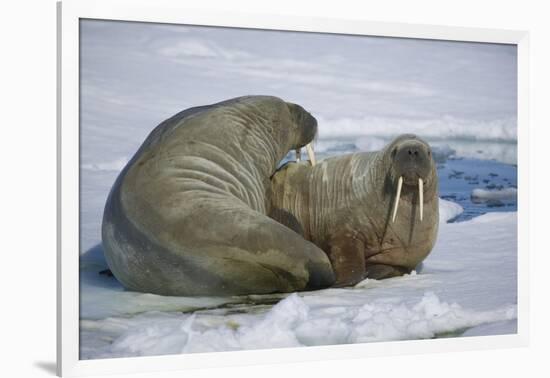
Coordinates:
[344,205]
[188,214]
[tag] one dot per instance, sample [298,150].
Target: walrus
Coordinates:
[187,216]
[375,214]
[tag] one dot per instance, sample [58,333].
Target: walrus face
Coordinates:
[412,168]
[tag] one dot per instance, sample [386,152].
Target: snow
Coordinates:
[505,193]
[448,210]
[453,292]
[291,323]
[135,75]
[440,128]
[113,165]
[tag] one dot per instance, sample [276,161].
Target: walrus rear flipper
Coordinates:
[288,219]
[224,248]
[250,253]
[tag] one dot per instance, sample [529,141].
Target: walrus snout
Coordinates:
[412,161]
[412,165]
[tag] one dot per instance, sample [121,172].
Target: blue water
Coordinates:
[458,177]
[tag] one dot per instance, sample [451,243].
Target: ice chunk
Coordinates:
[448,210]
[499,194]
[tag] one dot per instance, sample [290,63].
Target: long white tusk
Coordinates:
[310,154]
[421,197]
[397,195]
[298,154]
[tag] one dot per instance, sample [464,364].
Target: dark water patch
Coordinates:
[449,334]
[242,304]
[459,177]
[495,203]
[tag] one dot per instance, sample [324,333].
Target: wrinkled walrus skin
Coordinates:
[187,215]
[344,205]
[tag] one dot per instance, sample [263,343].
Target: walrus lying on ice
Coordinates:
[194,212]
[188,213]
[375,214]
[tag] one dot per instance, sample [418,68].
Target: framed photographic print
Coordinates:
[238,189]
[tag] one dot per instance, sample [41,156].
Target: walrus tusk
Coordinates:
[310,154]
[298,154]
[421,197]
[397,195]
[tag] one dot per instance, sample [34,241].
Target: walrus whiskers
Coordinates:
[397,195]
[421,197]
[310,154]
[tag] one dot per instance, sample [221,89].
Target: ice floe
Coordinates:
[466,286]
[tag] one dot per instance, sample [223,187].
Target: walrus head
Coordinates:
[306,132]
[412,168]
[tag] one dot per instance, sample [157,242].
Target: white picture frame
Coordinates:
[171,11]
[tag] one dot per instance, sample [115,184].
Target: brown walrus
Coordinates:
[375,214]
[188,213]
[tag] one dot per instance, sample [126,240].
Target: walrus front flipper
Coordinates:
[348,260]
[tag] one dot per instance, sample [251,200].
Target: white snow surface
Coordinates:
[114,165]
[468,283]
[448,210]
[441,128]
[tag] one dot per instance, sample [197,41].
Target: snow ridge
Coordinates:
[290,323]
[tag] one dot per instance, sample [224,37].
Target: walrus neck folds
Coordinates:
[375,214]
[309,196]
[313,194]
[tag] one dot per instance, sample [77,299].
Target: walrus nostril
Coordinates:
[413,153]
